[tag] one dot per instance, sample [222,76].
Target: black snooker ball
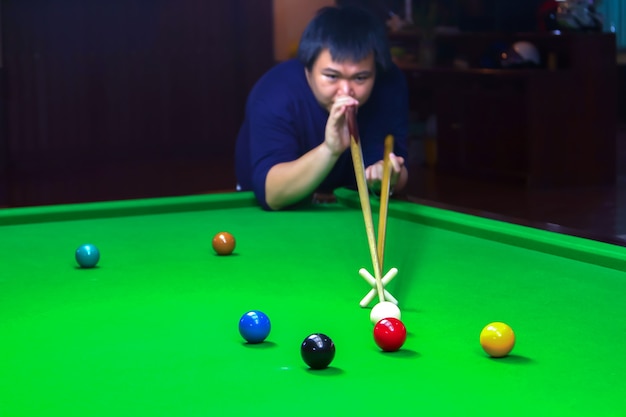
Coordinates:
[317,351]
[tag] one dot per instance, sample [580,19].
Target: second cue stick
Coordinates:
[359,172]
[384,200]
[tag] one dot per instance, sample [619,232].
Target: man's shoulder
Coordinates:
[389,97]
[282,77]
[278,90]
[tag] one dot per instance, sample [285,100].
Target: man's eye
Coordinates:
[331,76]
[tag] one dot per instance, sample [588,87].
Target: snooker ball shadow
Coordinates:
[512,359]
[86,267]
[401,353]
[328,371]
[260,346]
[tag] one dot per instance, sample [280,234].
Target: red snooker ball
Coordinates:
[223,243]
[389,334]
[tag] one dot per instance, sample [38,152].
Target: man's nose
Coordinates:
[345,88]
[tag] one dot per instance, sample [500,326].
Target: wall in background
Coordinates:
[290,19]
[125,99]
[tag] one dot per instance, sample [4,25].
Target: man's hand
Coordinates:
[374,173]
[337,137]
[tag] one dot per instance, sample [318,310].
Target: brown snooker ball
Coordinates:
[223,243]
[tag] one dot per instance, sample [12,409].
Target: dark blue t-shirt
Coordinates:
[284,121]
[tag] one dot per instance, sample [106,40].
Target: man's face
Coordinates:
[329,79]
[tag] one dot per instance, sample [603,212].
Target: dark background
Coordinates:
[124,98]
[140,98]
[468,15]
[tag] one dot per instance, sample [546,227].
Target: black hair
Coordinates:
[349,33]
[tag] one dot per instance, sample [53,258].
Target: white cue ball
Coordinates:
[383,310]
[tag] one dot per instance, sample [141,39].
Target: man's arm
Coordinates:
[289,182]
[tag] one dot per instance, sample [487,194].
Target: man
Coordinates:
[295,140]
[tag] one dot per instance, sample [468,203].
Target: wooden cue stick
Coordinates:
[384,200]
[359,172]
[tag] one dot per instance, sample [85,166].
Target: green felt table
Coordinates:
[153,329]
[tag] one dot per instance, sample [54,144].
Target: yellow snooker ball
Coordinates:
[497,339]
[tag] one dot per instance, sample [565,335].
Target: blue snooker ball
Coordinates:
[254,326]
[87,255]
